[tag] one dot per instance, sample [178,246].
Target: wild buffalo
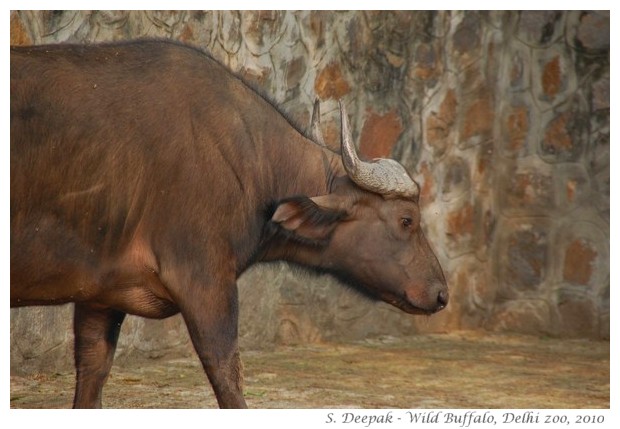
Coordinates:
[146,178]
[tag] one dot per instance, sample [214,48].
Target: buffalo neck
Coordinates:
[307,169]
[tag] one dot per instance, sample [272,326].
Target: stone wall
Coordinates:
[502,116]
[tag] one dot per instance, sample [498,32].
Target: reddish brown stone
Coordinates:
[436,132]
[427,193]
[18,32]
[447,110]
[531,188]
[438,124]
[517,125]
[254,76]
[571,186]
[330,83]
[482,164]
[380,133]
[317,26]
[187,35]
[460,222]
[485,158]
[552,77]
[474,80]
[558,138]
[578,260]
[478,118]
[295,70]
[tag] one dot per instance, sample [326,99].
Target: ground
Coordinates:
[461,370]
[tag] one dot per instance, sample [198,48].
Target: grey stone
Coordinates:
[593,30]
[523,257]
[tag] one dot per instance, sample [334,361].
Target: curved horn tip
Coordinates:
[350,159]
[342,106]
[382,176]
[315,124]
[344,118]
[316,109]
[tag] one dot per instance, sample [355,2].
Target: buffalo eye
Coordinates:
[406,222]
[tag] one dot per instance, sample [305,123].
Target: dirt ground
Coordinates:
[463,370]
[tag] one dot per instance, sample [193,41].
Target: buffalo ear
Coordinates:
[311,219]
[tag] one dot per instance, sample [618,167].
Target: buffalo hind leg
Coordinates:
[211,321]
[96,334]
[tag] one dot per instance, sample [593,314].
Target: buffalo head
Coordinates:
[366,231]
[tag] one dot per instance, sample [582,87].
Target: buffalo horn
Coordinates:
[315,125]
[382,176]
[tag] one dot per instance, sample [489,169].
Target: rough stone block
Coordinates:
[41,339]
[478,119]
[428,189]
[295,70]
[601,197]
[584,255]
[457,178]
[256,75]
[604,309]
[460,229]
[593,30]
[148,338]
[229,31]
[579,258]
[552,78]
[526,316]
[600,94]
[554,81]
[427,65]
[527,189]
[572,186]
[523,257]
[261,30]
[460,222]
[199,29]
[259,301]
[380,134]
[579,313]
[19,35]
[539,28]
[439,122]
[472,294]
[466,39]
[330,83]
[516,126]
[519,68]
[560,141]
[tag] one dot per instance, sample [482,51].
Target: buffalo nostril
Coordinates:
[442,298]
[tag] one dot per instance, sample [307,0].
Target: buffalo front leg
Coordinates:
[212,325]
[96,334]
